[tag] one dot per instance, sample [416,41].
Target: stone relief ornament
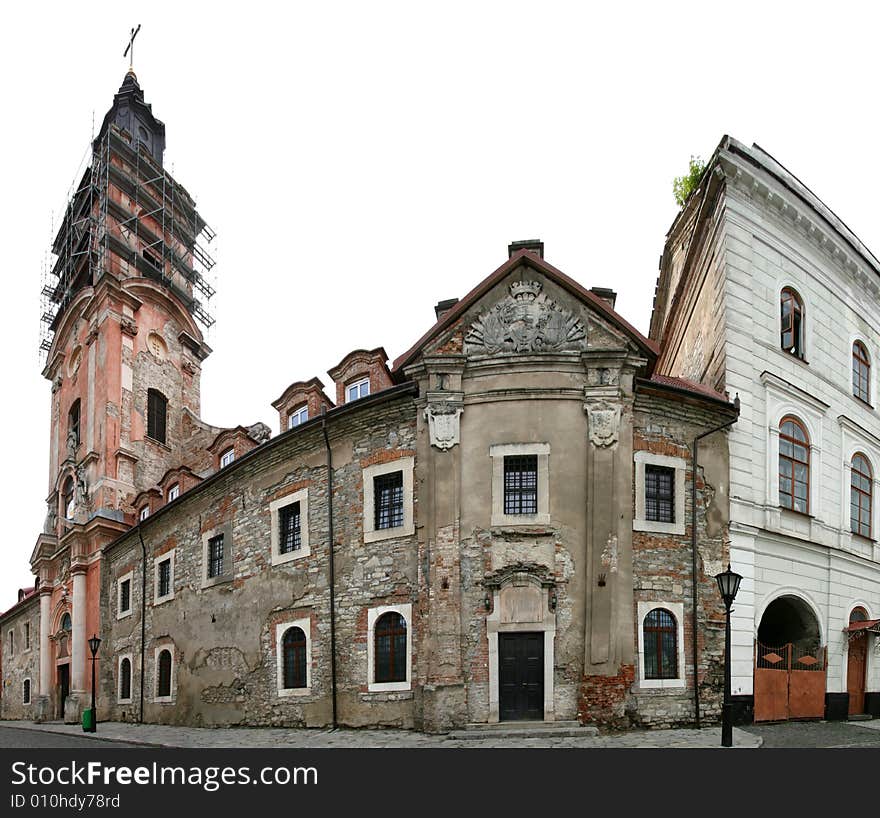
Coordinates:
[525,321]
[443,425]
[604,423]
[259,432]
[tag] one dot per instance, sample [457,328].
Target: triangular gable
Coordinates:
[530,259]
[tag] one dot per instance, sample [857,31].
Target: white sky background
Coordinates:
[362,161]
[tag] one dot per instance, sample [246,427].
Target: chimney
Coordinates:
[535,246]
[607,295]
[444,306]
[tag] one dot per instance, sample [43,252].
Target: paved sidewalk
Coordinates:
[159,735]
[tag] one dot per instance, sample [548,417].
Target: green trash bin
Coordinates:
[88,720]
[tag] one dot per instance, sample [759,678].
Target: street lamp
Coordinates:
[728,584]
[94,644]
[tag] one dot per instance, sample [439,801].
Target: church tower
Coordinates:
[123,314]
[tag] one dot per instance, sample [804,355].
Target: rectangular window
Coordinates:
[27,635]
[157,413]
[521,484]
[165,577]
[11,642]
[659,494]
[227,457]
[297,417]
[289,528]
[174,492]
[125,596]
[358,389]
[215,556]
[144,513]
[388,500]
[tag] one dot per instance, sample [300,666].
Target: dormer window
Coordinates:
[174,492]
[227,457]
[144,513]
[358,389]
[297,417]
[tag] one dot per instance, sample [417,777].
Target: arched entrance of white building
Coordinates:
[790,662]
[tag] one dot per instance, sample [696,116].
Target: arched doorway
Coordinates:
[789,662]
[857,661]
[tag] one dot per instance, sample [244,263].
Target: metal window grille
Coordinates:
[125,596]
[521,484]
[215,556]
[294,650]
[660,494]
[165,577]
[661,645]
[157,410]
[163,686]
[27,691]
[388,500]
[289,528]
[125,679]
[390,636]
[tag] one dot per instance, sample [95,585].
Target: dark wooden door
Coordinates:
[63,687]
[521,676]
[855,672]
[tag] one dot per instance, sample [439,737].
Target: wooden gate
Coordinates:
[856,665]
[789,683]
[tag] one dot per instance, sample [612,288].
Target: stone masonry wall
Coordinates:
[20,663]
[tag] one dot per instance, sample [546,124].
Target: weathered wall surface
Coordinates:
[20,663]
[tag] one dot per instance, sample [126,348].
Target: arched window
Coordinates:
[661,645]
[65,622]
[860,495]
[68,496]
[390,636]
[125,678]
[163,680]
[157,411]
[861,372]
[858,615]
[294,647]
[73,423]
[794,466]
[792,322]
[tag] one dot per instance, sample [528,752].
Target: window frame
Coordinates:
[157,416]
[282,628]
[297,414]
[373,616]
[805,444]
[676,609]
[358,383]
[371,533]
[143,513]
[120,699]
[172,674]
[860,363]
[227,457]
[390,515]
[174,490]
[790,294]
[497,454]
[869,476]
[158,561]
[129,578]
[300,496]
[518,491]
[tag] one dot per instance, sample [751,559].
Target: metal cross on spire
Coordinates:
[130,47]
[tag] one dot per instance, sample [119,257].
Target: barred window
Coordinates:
[659,494]
[163,677]
[157,412]
[794,466]
[125,679]
[388,500]
[861,494]
[390,643]
[165,577]
[521,484]
[26,692]
[861,372]
[294,649]
[661,645]
[215,556]
[289,528]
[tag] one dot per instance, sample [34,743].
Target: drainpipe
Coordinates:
[332,563]
[694,580]
[143,615]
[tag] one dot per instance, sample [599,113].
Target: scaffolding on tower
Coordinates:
[127,217]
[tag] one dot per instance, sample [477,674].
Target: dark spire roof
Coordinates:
[131,113]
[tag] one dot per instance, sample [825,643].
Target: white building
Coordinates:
[765,293]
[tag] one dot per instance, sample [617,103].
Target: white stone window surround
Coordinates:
[373,615]
[227,458]
[306,626]
[782,399]
[129,578]
[27,685]
[798,287]
[119,697]
[679,464]
[168,556]
[497,453]
[371,533]
[173,686]
[227,575]
[677,610]
[872,376]
[302,497]
[856,440]
[357,387]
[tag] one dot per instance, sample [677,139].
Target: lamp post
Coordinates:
[728,584]
[94,644]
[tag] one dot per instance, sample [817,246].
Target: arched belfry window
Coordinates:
[73,423]
[792,322]
[660,633]
[861,495]
[794,466]
[157,412]
[390,650]
[68,496]
[861,372]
